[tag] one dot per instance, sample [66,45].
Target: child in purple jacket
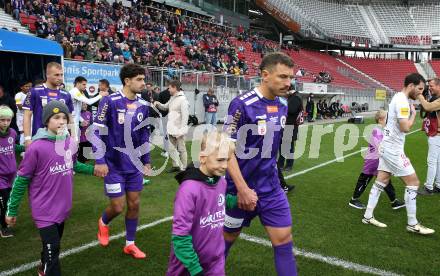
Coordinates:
[8,164]
[371,163]
[199,212]
[47,169]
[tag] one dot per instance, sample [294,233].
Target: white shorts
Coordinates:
[394,162]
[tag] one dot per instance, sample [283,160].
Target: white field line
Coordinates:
[83,247]
[325,259]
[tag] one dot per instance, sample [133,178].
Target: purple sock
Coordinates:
[130,227]
[285,262]
[228,245]
[105,218]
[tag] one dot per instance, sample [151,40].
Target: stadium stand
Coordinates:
[387,71]
[375,23]
[435,64]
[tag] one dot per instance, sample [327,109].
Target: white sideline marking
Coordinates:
[83,247]
[325,259]
[330,260]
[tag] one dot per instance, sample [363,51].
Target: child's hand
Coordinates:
[147,169]
[84,123]
[11,220]
[101,170]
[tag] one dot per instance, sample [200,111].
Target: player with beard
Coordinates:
[393,161]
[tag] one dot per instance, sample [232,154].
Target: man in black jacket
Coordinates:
[163,97]
[287,149]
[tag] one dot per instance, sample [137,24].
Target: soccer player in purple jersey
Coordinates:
[369,170]
[255,121]
[123,181]
[39,96]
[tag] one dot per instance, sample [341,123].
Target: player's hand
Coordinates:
[147,169]
[101,170]
[27,143]
[247,199]
[11,220]
[413,109]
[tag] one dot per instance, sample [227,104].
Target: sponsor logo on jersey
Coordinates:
[214,220]
[272,109]
[221,200]
[7,149]
[52,94]
[262,127]
[60,168]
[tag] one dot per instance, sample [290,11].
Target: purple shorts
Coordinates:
[272,209]
[116,184]
[370,166]
[7,180]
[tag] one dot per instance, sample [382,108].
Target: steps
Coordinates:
[367,76]
[9,22]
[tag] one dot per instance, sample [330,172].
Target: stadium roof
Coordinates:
[21,43]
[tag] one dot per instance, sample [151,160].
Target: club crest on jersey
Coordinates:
[272,109]
[221,200]
[10,140]
[121,118]
[140,116]
[283,121]
[262,127]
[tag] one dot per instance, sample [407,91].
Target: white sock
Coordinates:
[373,198]
[410,202]
[127,243]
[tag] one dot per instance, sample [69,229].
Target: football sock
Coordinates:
[130,228]
[410,203]
[105,219]
[361,185]
[373,198]
[391,192]
[285,262]
[228,245]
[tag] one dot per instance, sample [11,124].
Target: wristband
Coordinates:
[28,138]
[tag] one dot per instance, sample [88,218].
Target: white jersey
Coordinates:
[78,99]
[19,100]
[399,108]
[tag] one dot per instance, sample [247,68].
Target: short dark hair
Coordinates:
[175,83]
[104,81]
[435,80]
[38,82]
[24,82]
[414,78]
[272,59]
[130,71]
[79,79]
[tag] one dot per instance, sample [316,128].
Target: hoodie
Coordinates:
[47,168]
[197,234]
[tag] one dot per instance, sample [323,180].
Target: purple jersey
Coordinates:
[87,117]
[256,149]
[372,157]
[50,189]
[38,97]
[8,164]
[113,112]
[199,211]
